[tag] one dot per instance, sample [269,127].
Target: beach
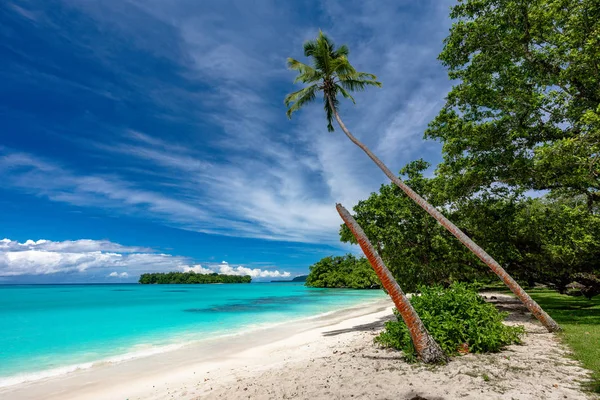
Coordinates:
[330,356]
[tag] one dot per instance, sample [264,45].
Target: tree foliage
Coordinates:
[525,113]
[343,272]
[191,277]
[544,240]
[416,249]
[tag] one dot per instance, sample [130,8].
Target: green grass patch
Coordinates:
[580,320]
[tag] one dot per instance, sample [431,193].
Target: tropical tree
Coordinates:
[417,250]
[525,110]
[549,240]
[426,347]
[332,74]
[342,272]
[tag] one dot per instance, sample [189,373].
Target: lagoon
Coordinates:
[49,330]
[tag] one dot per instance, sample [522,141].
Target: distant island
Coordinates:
[301,278]
[191,277]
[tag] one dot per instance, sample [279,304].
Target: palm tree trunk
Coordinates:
[531,305]
[427,348]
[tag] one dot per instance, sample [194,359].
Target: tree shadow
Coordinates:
[373,326]
[395,356]
[416,396]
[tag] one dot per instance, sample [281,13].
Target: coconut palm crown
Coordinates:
[331,73]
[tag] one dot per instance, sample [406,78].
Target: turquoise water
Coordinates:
[49,329]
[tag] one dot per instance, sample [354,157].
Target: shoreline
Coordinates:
[177,341]
[139,376]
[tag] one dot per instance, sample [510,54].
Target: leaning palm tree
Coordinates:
[427,348]
[332,74]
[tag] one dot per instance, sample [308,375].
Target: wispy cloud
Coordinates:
[184,122]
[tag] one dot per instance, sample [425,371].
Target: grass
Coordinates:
[580,320]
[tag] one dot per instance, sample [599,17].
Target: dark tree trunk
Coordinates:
[427,348]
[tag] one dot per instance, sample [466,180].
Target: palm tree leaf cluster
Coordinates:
[330,73]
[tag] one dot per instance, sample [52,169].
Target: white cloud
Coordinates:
[70,246]
[254,273]
[199,269]
[225,268]
[46,257]
[116,274]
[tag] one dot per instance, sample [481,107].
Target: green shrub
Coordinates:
[457,318]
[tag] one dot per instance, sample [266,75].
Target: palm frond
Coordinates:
[344,93]
[365,75]
[350,82]
[341,66]
[295,101]
[323,56]
[329,111]
[342,51]
[310,47]
[307,74]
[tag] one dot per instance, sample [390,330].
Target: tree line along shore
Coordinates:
[191,278]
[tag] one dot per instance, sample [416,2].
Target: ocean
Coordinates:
[48,330]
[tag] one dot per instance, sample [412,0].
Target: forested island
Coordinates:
[191,278]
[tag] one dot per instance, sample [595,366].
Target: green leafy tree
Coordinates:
[332,74]
[417,250]
[343,272]
[548,240]
[525,113]
[563,241]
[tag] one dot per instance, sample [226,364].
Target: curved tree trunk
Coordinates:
[531,305]
[427,348]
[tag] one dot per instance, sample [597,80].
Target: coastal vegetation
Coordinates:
[343,272]
[332,74]
[520,135]
[458,318]
[425,346]
[547,240]
[191,277]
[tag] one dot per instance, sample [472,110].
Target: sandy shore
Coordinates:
[331,357]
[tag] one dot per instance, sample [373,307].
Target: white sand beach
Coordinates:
[329,357]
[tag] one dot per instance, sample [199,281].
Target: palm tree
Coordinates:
[427,348]
[332,74]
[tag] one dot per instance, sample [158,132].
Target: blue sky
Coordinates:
[145,135]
